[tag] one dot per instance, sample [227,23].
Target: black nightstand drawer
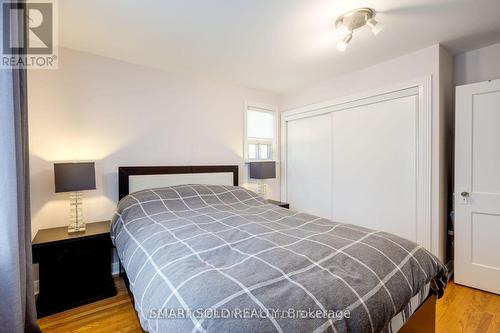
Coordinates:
[73,271]
[61,251]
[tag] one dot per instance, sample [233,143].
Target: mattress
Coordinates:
[207,258]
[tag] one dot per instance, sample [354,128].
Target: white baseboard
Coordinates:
[115,268]
[36,286]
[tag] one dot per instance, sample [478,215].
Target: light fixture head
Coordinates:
[374,25]
[342,32]
[350,21]
[342,44]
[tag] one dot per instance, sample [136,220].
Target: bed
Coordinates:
[202,254]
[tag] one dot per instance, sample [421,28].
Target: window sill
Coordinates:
[251,161]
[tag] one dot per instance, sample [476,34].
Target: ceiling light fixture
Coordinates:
[355,19]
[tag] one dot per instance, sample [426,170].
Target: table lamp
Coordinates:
[74,178]
[262,170]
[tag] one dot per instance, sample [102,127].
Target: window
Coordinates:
[260,140]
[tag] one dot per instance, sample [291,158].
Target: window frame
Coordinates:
[274,153]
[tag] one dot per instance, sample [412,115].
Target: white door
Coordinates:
[477,186]
[363,160]
[373,165]
[309,163]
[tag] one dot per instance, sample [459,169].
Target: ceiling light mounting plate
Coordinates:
[356,18]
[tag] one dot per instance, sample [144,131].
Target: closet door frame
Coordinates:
[423,87]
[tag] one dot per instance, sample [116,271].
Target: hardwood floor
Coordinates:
[468,310]
[114,314]
[461,310]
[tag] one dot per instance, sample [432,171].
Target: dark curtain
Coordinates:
[17,303]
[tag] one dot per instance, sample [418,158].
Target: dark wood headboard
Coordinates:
[125,172]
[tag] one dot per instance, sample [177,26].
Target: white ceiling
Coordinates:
[277,45]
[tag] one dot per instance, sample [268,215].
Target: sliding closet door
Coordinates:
[374,166]
[308,163]
[364,160]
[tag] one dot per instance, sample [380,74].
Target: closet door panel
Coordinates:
[374,166]
[309,173]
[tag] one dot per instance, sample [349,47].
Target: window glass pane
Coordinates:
[260,124]
[252,151]
[264,152]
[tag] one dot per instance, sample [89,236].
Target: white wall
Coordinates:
[434,61]
[115,113]
[478,65]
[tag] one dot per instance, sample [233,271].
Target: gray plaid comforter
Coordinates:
[221,259]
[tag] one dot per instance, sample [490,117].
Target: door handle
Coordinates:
[465,194]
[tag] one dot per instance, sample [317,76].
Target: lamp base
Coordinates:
[73,229]
[76,223]
[262,189]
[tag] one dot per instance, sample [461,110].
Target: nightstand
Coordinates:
[74,269]
[279,203]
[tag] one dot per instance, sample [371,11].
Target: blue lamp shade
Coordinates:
[263,170]
[72,177]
